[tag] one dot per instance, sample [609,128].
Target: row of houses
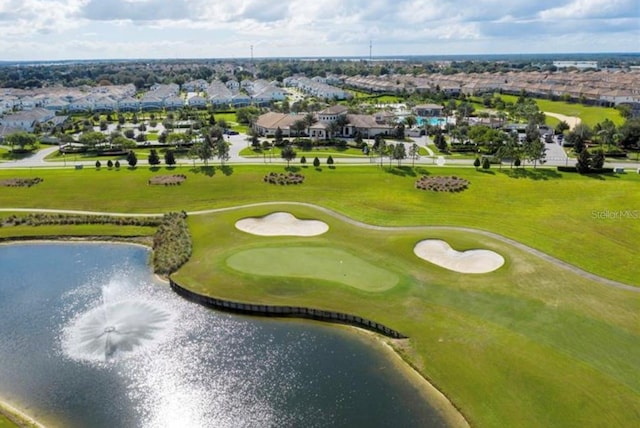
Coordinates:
[607,88]
[316,87]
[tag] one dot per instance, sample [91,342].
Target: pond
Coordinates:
[90,338]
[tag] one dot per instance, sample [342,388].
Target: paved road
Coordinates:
[574,269]
[555,157]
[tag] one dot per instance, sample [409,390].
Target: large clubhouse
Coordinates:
[349,125]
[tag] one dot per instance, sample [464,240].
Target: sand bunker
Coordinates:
[281,224]
[471,261]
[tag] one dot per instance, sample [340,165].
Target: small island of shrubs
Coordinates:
[282,178]
[21,182]
[442,183]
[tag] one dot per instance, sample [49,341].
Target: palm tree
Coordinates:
[309,120]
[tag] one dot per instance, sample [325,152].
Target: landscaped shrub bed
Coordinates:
[168,180]
[282,178]
[171,244]
[43,219]
[21,182]
[442,184]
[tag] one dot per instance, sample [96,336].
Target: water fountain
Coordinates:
[120,325]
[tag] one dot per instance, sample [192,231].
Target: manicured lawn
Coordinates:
[232,121]
[590,115]
[320,263]
[558,213]
[530,344]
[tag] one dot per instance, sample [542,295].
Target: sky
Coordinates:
[119,29]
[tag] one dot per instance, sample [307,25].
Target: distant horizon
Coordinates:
[390,57]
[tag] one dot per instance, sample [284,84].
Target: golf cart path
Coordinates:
[530,250]
[572,121]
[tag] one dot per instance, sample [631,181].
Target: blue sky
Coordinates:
[89,29]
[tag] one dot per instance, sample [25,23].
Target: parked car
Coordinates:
[230,132]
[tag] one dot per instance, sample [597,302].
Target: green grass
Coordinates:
[232,121]
[6,423]
[319,263]
[521,346]
[590,115]
[551,211]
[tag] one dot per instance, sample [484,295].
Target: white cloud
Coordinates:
[225,28]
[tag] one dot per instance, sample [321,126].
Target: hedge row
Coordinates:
[43,219]
[172,245]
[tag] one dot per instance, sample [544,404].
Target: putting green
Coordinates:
[315,263]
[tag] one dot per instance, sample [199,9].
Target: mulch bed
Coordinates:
[21,182]
[281,178]
[442,184]
[168,180]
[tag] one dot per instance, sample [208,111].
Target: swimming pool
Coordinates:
[433,121]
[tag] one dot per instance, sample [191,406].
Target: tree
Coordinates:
[476,163]
[399,131]
[109,164]
[561,127]
[266,147]
[597,160]
[583,165]
[202,150]
[330,161]
[410,121]
[169,158]
[298,126]
[316,162]
[93,139]
[24,140]
[333,129]
[98,164]
[117,164]
[303,160]
[399,153]
[380,147]
[414,153]
[154,159]
[534,151]
[132,159]
[309,120]
[485,163]
[222,151]
[278,136]
[288,154]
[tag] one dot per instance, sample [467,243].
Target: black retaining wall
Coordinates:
[285,311]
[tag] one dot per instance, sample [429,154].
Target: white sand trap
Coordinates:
[440,253]
[281,224]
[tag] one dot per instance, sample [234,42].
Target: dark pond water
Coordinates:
[89,339]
